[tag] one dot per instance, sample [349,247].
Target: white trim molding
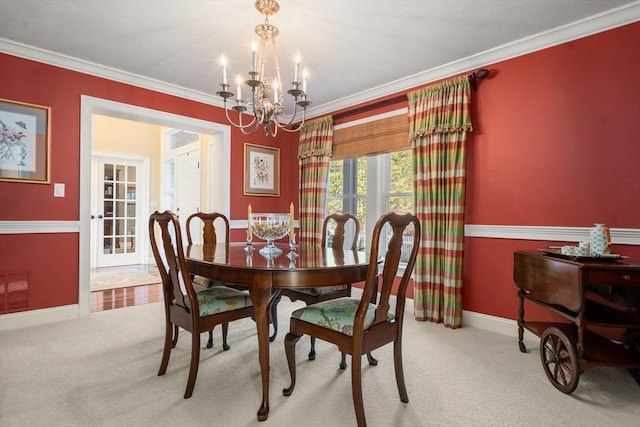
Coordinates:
[607,20]
[499,325]
[43,316]
[620,236]
[38,227]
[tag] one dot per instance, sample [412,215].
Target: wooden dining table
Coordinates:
[311,266]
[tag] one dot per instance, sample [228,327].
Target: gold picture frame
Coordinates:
[24,142]
[261,170]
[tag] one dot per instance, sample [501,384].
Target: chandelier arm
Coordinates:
[239,123]
[296,128]
[249,132]
[256,116]
[273,132]
[293,117]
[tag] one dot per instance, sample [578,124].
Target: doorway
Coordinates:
[219,141]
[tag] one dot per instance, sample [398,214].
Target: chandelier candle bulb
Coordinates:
[253,57]
[297,69]
[249,219]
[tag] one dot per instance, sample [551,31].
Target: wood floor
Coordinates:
[125,297]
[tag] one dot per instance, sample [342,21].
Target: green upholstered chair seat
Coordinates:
[336,314]
[205,282]
[219,299]
[324,290]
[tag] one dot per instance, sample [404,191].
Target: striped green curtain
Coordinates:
[314,153]
[438,124]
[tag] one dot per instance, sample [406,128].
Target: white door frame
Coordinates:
[88,107]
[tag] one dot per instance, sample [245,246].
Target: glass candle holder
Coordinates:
[270,227]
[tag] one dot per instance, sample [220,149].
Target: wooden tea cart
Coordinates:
[596,296]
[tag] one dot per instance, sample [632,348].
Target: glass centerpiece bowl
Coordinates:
[270,227]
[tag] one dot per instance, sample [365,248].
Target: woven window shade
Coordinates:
[377,137]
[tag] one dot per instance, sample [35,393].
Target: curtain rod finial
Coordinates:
[476,76]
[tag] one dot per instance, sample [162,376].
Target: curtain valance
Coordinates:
[316,138]
[442,107]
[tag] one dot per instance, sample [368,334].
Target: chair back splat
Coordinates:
[209,221]
[172,267]
[338,238]
[210,238]
[358,326]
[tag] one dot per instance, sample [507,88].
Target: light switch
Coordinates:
[58,189]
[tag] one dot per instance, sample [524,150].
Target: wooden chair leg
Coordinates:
[343,362]
[273,315]
[193,369]
[174,341]
[372,361]
[225,330]
[397,363]
[356,388]
[166,352]
[312,352]
[210,340]
[290,341]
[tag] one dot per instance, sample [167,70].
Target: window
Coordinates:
[371,186]
[348,191]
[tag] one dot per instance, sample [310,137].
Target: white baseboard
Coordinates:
[43,316]
[495,324]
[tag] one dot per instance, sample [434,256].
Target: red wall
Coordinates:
[53,278]
[555,144]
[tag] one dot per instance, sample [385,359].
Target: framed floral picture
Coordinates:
[261,170]
[24,142]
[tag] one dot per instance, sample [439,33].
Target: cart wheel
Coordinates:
[559,359]
[632,342]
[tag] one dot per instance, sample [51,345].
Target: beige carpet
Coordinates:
[101,370]
[122,279]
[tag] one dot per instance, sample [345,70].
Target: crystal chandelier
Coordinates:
[266,105]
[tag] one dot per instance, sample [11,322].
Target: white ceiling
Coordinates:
[354,49]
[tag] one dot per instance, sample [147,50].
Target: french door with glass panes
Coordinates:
[118,200]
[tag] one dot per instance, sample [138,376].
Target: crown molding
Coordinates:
[79,65]
[592,25]
[608,20]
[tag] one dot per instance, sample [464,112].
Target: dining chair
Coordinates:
[185,308]
[342,223]
[209,236]
[358,326]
